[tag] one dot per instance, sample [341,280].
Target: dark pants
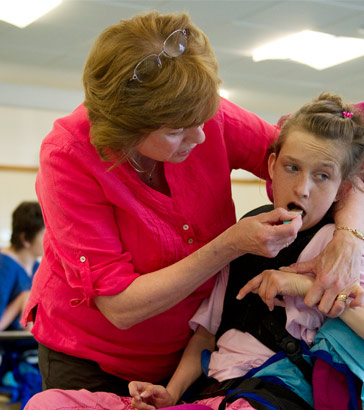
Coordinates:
[62,371]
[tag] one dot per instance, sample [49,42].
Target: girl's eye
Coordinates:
[323,177]
[291,168]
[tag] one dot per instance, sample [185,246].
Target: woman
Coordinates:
[135,190]
[19,262]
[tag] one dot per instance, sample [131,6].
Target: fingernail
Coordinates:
[286,222]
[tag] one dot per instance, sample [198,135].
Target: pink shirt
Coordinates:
[105,228]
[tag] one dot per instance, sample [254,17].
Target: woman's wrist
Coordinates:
[348,237]
[356,232]
[229,242]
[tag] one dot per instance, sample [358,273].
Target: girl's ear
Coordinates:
[271,162]
[343,190]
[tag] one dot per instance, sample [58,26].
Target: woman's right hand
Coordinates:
[148,396]
[266,234]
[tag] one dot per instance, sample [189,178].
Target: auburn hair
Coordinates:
[123,111]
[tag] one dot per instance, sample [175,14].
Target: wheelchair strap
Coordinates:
[289,344]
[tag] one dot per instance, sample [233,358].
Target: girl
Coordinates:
[319,152]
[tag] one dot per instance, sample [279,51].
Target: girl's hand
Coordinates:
[148,396]
[271,283]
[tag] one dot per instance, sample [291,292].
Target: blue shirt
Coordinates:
[13,280]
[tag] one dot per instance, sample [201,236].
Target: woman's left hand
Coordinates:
[337,270]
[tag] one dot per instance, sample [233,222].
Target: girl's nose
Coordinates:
[302,187]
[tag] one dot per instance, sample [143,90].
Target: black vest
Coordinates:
[247,314]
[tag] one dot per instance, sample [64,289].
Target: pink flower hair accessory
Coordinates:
[347,114]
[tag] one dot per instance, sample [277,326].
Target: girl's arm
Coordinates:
[271,283]
[354,318]
[189,368]
[147,396]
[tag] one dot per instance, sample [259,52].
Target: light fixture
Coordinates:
[21,13]
[224,93]
[315,49]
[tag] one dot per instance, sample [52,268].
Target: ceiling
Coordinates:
[41,65]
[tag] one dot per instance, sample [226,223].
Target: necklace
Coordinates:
[140,170]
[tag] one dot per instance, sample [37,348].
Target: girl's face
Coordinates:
[306,175]
[171,145]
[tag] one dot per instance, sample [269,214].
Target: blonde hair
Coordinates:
[123,112]
[324,117]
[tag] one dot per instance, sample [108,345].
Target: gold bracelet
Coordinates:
[356,232]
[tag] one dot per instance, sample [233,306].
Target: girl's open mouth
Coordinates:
[296,208]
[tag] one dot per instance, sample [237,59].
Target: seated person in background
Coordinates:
[315,161]
[18,262]
[19,374]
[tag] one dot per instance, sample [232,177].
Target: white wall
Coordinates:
[21,133]
[16,186]
[248,196]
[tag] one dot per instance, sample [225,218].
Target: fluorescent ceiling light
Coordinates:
[224,93]
[21,13]
[315,49]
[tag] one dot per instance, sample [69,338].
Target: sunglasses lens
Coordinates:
[175,44]
[148,68]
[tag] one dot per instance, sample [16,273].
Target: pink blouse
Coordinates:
[105,227]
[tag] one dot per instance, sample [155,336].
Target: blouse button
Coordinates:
[190,240]
[186,227]
[83,259]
